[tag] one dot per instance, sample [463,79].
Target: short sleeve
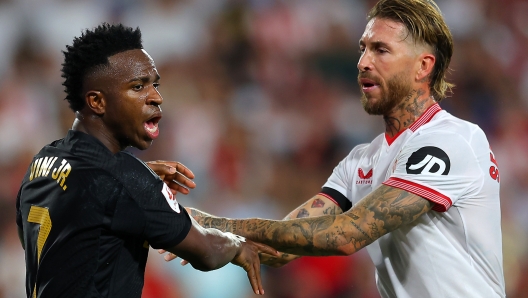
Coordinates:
[167,223]
[341,177]
[338,178]
[440,167]
[149,209]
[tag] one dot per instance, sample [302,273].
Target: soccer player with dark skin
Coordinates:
[112,86]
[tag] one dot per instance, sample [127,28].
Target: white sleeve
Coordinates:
[440,167]
[342,176]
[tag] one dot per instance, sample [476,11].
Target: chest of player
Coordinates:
[374,166]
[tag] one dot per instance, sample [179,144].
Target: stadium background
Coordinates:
[261,102]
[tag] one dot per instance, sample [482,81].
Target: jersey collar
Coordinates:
[424,118]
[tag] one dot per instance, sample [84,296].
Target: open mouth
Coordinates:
[151,127]
[367,84]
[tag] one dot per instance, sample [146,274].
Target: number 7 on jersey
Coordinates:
[40,215]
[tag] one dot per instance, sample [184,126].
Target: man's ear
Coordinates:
[96,101]
[425,69]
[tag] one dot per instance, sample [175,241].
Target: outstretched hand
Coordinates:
[174,174]
[274,261]
[248,257]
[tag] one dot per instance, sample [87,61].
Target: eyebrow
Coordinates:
[376,44]
[144,79]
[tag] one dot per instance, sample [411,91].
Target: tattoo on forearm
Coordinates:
[318,203]
[360,230]
[331,210]
[303,213]
[382,211]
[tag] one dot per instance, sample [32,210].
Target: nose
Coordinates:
[365,62]
[155,97]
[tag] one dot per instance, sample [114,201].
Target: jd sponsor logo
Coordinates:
[428,160]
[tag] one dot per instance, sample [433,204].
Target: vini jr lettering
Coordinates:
[44,165]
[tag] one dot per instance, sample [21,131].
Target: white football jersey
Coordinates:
[455,250]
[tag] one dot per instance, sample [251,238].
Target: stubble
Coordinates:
[392,94]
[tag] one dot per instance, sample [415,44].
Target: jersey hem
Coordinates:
[442,202]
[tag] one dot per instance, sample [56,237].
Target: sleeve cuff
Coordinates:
[442,202]
[337,198]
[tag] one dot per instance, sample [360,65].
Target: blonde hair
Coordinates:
[425,24]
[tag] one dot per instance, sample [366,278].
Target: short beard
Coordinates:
[391,95]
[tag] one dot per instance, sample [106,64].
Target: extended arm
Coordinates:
[380,212]
[209,249]
[318,205]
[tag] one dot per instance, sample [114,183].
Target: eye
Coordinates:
[382,50]
[361,50]
[156,85]
[138,87]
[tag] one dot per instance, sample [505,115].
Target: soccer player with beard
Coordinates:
[87,210]
[422,197]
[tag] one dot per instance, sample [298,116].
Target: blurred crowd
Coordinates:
[260,102]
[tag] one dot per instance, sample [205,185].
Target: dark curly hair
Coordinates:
[92,50]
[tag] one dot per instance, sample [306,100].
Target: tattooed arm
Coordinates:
[316,206]
[380,212]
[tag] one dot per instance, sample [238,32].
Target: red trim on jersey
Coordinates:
[442,202]
[424,118]
[390,140]
[328,197]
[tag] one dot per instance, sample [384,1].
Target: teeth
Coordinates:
[153,129]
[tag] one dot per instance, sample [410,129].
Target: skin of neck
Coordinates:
[408,110]
[93,125]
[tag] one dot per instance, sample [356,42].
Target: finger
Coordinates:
[266,249]
[256,267]
[176,187]
[184,262]
[266,259]
[161,251]
[170,256]
[183,179]
[184,170]
[179,167]
[162,170]
[253,280]
[164,167]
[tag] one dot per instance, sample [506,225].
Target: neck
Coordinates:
[407,111]
[93,126]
